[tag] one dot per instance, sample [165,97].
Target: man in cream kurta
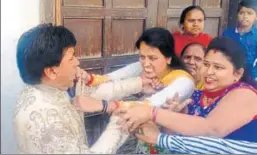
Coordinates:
[44,120]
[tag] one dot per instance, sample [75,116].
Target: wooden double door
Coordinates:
[106,30]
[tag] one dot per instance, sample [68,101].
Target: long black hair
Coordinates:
[163,40]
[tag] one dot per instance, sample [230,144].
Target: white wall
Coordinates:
[17,16]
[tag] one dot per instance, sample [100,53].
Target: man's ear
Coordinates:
[51,72]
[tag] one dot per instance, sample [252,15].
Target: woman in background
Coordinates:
[193,55]
[191,23]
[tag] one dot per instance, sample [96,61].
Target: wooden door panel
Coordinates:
[75,12]
[180,3]
[108,30]
[129,4]
[162,13]
[209,3]
[216,12]
[88,3]
[152,11]
[125,32]
[212,26]
[172,24]
[88,33]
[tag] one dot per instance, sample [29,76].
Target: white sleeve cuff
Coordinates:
[183,85]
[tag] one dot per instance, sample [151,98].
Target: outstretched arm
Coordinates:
[183,86]
[116,90]
[195,144]
[131,70]
[223,120]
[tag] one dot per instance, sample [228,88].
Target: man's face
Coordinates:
[246,17]
[66,71]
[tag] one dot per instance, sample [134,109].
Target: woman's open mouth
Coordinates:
[209,80]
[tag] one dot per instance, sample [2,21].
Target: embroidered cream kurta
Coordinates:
[46,122]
